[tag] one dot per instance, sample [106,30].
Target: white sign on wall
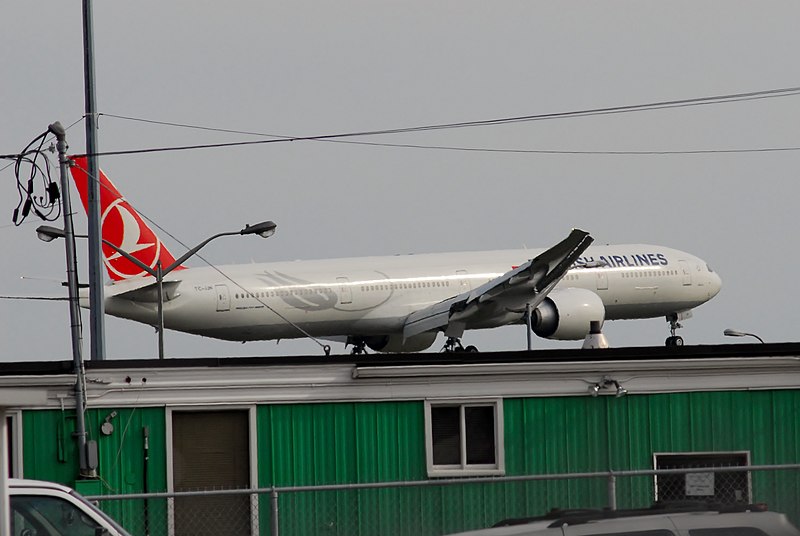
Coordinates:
[700,485]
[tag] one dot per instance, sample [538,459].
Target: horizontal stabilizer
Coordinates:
[147,293]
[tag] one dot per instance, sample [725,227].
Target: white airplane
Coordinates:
[398,303]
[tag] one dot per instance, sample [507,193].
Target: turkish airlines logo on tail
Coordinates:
[122,226]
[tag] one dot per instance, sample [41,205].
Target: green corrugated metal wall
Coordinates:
[560,435]
[50,454]
[369,442]
[49,451]
[343,443]
[340,443]
[573,434]
[307,444]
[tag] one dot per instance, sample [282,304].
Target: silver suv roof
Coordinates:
[675,519]
[16,483]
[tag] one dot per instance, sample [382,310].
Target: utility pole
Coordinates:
[74,305]
[96,303]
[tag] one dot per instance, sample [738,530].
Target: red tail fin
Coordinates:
[122,226]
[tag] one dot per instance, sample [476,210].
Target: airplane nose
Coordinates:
[715,283]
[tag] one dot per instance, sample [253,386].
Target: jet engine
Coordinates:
[566,313]
[395,343]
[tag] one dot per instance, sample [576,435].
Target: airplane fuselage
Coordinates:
[373,295]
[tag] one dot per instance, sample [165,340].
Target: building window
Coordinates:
[721,486]
[464,438]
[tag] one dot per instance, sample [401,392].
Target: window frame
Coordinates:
[745,455]
[463,468]
[15,430]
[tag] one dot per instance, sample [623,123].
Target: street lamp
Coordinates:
[733,333]
[264,229]
[46,233]
[86,466]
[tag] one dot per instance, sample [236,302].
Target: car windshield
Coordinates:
[46,515]
[102,514]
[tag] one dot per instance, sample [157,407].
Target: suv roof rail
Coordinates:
[560,517]
[554,514]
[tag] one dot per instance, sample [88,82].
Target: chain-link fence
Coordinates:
[436,507]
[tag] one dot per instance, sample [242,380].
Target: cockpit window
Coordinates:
[709,268]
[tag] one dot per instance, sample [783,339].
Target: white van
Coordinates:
[47,509]
[657,521]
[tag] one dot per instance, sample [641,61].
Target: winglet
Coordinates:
[122,226]
[562,256]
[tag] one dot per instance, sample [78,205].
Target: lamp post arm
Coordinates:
[172,266]
[194,250]
[131,258]
[265,229]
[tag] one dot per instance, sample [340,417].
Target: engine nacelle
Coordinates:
[566,313]
[395,343]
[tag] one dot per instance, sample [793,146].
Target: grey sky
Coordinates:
[307,68]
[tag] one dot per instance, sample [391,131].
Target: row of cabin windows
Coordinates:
[656,273]
[278,293]
[400,286]
[364,288]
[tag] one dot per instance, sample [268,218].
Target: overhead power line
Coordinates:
[338,138]
[681,103]
[568,152]
[37,298]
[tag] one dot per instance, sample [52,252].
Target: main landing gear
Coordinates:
[453,344]
[674,340]
[359,345]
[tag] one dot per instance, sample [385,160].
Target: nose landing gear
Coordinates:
[674,340]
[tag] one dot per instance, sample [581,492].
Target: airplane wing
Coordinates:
[503,296]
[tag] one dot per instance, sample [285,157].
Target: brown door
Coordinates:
[210,451]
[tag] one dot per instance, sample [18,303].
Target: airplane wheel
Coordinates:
[674,341]
[471,349]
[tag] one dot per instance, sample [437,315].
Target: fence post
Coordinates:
[612,490]
[274,524]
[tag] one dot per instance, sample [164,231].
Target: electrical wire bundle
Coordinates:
[33,162]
